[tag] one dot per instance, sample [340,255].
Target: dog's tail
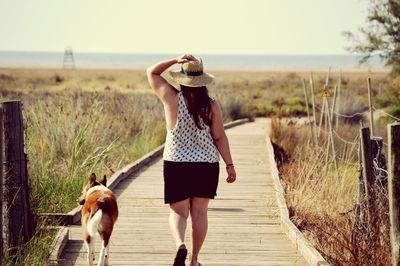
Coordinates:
[94,222]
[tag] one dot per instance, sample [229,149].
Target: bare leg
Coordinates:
[198,214]
[179,212]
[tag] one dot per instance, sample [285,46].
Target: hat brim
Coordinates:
[192,81]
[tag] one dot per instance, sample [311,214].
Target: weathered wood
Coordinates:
[313,106]
[326,87]
[366,152]
[335,160]
[58,245]
[308,112]
[394,189]
[371,111]
[367,169]
[16,198]
[321,116]
[1,185]
[338,99]
[334,104]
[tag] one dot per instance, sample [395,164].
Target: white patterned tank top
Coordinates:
[186,142]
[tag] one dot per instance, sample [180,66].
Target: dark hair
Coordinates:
[198,104]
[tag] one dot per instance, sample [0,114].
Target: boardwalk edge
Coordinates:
[236,123]
[310,254]
[60,241]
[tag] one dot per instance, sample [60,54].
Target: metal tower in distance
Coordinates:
[69,61]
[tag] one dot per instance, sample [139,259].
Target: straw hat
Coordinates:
[192,74]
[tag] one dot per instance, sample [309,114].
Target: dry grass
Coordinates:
[70,134]
[322,207]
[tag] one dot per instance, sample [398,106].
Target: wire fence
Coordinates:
[386,114]
[344,140]
[357,114]
[330,113]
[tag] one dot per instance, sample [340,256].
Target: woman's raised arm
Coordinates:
[163,89]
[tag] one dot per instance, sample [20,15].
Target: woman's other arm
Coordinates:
[221,140]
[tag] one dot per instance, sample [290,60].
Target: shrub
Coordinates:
[233,107]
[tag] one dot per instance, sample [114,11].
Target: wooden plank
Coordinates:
[244,227]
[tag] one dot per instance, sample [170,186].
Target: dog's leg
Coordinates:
[90,256]
[106,255]
[101,255]
[104,247]
[92,248]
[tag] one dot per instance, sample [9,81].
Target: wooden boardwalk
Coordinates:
[243,224]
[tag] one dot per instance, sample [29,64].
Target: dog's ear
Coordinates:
[103,181]
[92,178]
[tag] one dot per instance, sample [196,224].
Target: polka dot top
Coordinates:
[186,142]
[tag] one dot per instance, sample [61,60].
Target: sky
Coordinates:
[178,26]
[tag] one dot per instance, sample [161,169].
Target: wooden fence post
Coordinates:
[332,143]
[16,197]
[308,113]
[371,111]
[338,99]
[394,189]
[1,187]
[367,168]
[321,116]
[313,107]
[334,104]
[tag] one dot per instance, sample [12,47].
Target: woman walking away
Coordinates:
[195,138]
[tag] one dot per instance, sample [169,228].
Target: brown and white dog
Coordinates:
[99,214]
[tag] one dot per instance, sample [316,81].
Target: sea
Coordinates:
[245,62]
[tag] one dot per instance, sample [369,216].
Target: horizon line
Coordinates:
[170,53]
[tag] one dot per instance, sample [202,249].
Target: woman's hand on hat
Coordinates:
[231,174]
[185,58]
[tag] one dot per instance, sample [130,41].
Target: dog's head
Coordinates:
[91,183]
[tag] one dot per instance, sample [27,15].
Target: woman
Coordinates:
[195,136]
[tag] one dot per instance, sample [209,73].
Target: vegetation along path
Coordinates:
[243,220]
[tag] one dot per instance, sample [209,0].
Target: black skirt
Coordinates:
[184,180]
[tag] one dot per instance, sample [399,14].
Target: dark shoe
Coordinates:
[180,257]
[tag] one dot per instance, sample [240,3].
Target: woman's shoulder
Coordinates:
[214,105]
